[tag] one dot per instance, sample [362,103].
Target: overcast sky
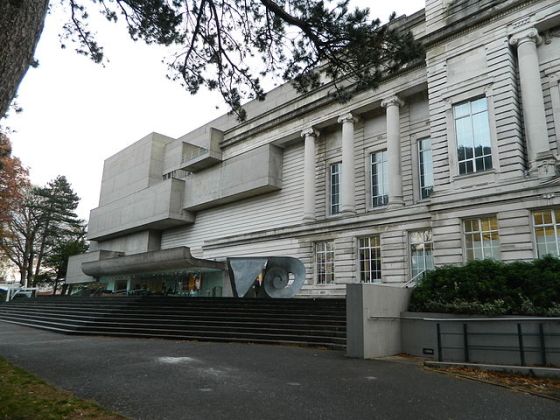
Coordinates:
[77,113]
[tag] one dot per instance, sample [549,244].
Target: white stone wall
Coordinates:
[464,61]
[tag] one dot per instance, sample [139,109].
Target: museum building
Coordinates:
[450,160]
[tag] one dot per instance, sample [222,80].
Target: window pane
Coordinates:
[426,171]
[324,256]
[464,132]
[379,179]
[472,128]
[369,252]
[420,252]
[479,105]
[462,110]
[482,239]
[547,232]
[481,130]
[335,188]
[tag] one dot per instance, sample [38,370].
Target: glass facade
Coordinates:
[369,255]
[425,167]
[167,283]
[482,239]
[472,129]
[546,226]
[335,188]
[379,179]
[324,256]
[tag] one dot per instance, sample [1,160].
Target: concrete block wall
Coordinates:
[254,173]
[490,340]
[373,325]
[156,206]
[133,169]
[271,211]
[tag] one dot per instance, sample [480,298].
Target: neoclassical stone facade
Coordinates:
[450,160]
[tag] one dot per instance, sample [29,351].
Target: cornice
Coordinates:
[471,23]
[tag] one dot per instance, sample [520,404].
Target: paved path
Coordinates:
[160,379]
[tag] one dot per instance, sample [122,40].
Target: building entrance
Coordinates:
[175,283]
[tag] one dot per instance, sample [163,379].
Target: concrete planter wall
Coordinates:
[372,319]
[378,325]
[489,339]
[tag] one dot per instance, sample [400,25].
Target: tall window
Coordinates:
[421,255]
[369,254]
[425,167]
[324,256]
[472,128]
[335,187]
[379,179]
[482,239]
[547,232]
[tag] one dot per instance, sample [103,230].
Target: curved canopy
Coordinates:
[165,259]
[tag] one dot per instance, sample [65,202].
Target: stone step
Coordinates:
[337,331]
[270,337]
[281,321]
[128,318]
[199,313]
[275,341]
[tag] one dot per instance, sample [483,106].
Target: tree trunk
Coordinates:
[42,246]
[56,280]
[21,24]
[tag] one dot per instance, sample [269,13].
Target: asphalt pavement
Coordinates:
[166,379]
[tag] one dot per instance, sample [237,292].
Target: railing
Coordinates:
[413,280]
[466,335]
[12,292]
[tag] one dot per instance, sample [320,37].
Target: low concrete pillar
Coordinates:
[392,106]
[310,135]
[531,93]
[347,190]
[373,326]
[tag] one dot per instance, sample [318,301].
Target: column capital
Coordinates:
[392,101]
[528,35]
[309,132]
[348,117]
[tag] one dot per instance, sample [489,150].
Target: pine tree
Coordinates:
[55,263]
[228,46]
[45,218]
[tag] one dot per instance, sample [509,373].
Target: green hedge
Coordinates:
[491,288]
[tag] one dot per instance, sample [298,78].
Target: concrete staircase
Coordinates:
[309,322]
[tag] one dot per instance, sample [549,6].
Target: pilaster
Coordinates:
[392,106]
[347,190]
[310,135]
[532,98]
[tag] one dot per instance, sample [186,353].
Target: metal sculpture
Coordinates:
[282,277]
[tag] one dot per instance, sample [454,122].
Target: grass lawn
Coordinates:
[24,396]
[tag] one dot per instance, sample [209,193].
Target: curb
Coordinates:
[539,372]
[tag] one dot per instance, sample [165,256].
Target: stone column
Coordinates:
[310,135]
[531,93]
[347,190]
[392,106]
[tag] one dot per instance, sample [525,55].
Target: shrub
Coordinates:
[491,287]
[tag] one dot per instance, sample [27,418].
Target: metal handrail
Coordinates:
[413,280]
[488,319]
